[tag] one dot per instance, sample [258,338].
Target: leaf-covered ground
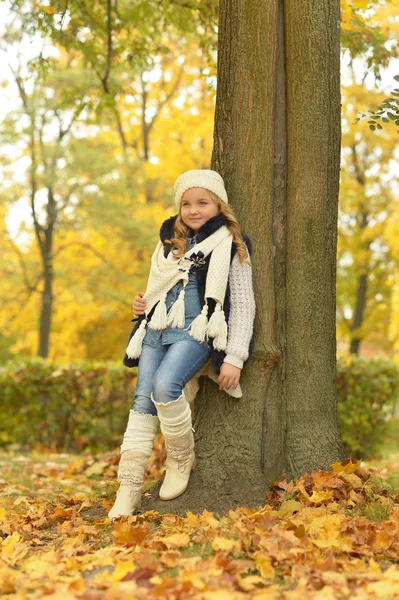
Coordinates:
[329,535]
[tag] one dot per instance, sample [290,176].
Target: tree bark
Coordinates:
[48,276]
[362,222]
[358,315]
[277,145]
[46,310]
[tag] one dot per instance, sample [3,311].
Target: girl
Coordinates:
[198,305]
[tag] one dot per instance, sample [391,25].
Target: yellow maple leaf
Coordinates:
[177,540]
[190,576]
[287,508]
[348,466]
[13,548]
[343,543]
[247,584]
[382,541]
[354,481]
[125,533]
[207,518]
[122,568]
[77,585]
[319,497]
[192,519]
[264,566]
[225,544]
[60,514]
[2,513]
[7,580]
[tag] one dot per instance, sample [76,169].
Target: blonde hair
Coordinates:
[181,231]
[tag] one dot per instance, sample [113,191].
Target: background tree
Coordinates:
[367,197]
[119,196]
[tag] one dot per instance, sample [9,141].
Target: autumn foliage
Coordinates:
[327,535]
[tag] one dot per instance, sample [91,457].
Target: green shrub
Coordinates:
[367,390]
[84,404]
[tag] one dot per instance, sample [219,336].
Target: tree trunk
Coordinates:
[45,310]
[358,315]
[277,145]
[361,291]
[46,250]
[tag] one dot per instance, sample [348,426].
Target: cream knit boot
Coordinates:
[135,451]
[175,420]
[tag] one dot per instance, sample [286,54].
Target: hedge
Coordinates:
[85,404]
[81,405]
[367,392]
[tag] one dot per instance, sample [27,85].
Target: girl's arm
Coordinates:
[242,312]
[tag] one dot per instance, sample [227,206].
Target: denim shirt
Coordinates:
[192,308]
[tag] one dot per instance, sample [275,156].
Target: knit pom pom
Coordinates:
[158,321]
[133,349]
[198,328]
[176,315]
[215,321]
[217,328]
[220,340]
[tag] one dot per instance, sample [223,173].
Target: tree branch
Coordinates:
[166,99]
[104,79]
[31,114]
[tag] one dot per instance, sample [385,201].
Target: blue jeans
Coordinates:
[164,370]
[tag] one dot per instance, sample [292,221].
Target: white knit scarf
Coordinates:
[166,272]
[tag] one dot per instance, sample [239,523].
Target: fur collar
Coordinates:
[212,225]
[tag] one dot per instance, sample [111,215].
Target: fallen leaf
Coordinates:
[176,540]
[96,469]
[225,544]
[125,533]
[319,497]
[348,466]
[264,566]
[247,584]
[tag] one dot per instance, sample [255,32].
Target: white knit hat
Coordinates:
[204,178]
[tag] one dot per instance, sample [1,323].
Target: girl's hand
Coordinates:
[139,305]
[229,377]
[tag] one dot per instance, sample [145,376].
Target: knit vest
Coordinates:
[166,233]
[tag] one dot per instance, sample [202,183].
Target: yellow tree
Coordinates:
[367,195]
[100,254]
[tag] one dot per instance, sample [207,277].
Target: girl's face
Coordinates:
[197,207]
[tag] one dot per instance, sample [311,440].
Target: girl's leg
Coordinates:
[139,435]
[135,452]
[182,361]
[149,362]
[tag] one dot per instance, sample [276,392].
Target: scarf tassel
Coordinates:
[158,321]
[217,328]
[176,316]
[133,349]
[198,328]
